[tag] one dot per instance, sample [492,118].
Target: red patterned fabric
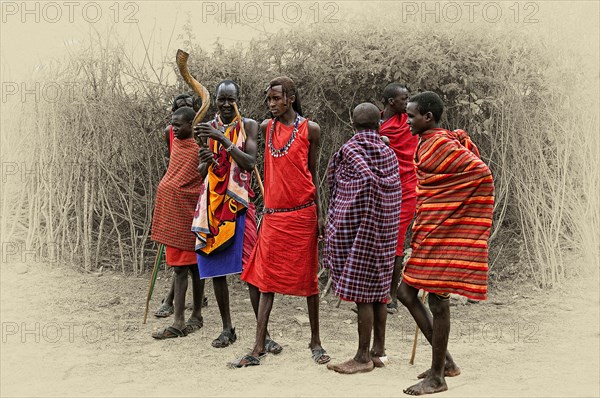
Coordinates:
[226,193]
[176,197]
[249,233]
[177,258]
[362,225]
[404,145]
[455,201]
[285,258]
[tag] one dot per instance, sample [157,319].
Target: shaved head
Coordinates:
[366,116]
[186,112]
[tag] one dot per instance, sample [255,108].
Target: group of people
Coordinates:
[400,168]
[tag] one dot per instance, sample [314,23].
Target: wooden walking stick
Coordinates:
[157,261]
[414,349]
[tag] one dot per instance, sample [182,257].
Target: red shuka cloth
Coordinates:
[404,145]
[176,197]
[285,258]
[177,258]
[249,233]
[455,196]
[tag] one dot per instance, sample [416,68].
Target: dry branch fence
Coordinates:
[100,155]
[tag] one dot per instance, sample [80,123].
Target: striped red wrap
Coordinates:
[455,201]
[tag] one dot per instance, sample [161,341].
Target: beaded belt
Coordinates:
[266,210]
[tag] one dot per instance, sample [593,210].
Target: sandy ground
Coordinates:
[65,333]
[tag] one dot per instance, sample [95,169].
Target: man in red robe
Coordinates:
[166,309]
[455,201]
[285,258]
[394,127]
[174,209]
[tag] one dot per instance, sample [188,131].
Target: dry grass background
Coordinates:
[95,159]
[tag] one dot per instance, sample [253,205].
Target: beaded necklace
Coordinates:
[277,153]
[222,127]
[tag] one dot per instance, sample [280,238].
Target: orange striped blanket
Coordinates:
[455,200]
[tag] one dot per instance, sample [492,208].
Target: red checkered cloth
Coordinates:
[364,212]
[176,197]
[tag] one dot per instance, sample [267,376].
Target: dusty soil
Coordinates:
[65,333]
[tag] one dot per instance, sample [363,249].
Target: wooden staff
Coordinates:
[157,260]
[414,349]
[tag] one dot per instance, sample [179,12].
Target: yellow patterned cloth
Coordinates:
[224,194]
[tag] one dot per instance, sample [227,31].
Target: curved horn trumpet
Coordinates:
[181,59]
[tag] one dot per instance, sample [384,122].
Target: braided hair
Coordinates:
[289,88]
[180,97]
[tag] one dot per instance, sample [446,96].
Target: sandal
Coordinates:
[193,324]
[164,310]
[392,307]
[169,332]
[271,346]
[248,359]
[225,339]
[378,361]
[320,356]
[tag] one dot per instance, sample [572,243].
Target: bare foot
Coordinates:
[351,366]
[450,370]
[429,385]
